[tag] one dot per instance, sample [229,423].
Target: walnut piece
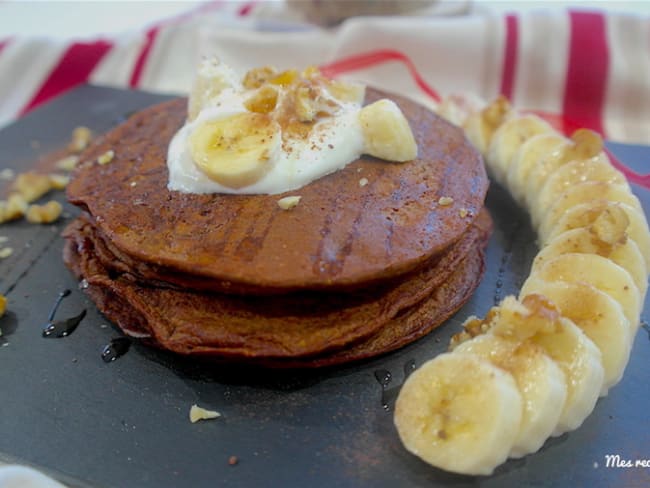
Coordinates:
[44,214]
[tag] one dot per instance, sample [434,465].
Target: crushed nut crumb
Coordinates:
[5,252]
[363,181]
[44,214]
[445,201]
[133,183]
[13,208]
[81,137]
[31,186]
[463,212]
[59,182]
[68,163]
[3,305]
[288,203]
[198,413]
[232,460]
[107,157]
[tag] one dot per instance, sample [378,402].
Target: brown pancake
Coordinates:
[270,329]
[341,235]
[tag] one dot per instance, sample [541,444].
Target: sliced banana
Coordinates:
[480,125]
[538,320]
[598,272]
[236,151]
[460,413]
[386,132]
[599,316]
[604,214]
[540,150]
[590,192]
[586,240]
[575,172]
[540,380]
[508,138]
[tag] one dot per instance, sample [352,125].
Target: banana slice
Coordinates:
[508,138]
[480,125]
[540,380]
[585,240]
[236,151]
[386,132]
[575,172]
[538,320]
[540,150]
[587,192]
[460,413]
[599,272]
[599,316]
[603,214]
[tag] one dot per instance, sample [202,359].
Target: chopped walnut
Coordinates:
[107,157]
[59,182]
[445,201]
[81,137]
[44,214]
[68,163]
[258,76]
[288,203]
[13,208]
[31,186]
[263,101]
[198,413]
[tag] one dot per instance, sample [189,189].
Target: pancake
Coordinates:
[340,237]
[303,328]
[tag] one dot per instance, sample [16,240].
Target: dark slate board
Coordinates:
[88,423]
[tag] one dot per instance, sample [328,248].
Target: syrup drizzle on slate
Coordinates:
[65,327]
[116,348]
[384,377]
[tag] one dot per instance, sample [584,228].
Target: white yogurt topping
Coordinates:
[333,143]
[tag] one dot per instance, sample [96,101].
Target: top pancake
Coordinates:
[341,235]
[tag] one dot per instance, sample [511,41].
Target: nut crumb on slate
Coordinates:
[107,157]
[13,208]
[68,163]
[444,201]
[80,139]
[5,252]
[44,214]
[287,203]
[31,186]
[3,305]
[363,181]
[198,413]
[232,460]
[59,182]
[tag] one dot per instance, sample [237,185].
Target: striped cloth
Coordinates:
[589,69]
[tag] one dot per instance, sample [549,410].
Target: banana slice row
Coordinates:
[535,366]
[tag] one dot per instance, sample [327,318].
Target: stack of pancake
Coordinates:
[354,270]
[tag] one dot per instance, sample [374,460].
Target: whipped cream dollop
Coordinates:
[274,132]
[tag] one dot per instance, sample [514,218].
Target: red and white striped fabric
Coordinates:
[586,68]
